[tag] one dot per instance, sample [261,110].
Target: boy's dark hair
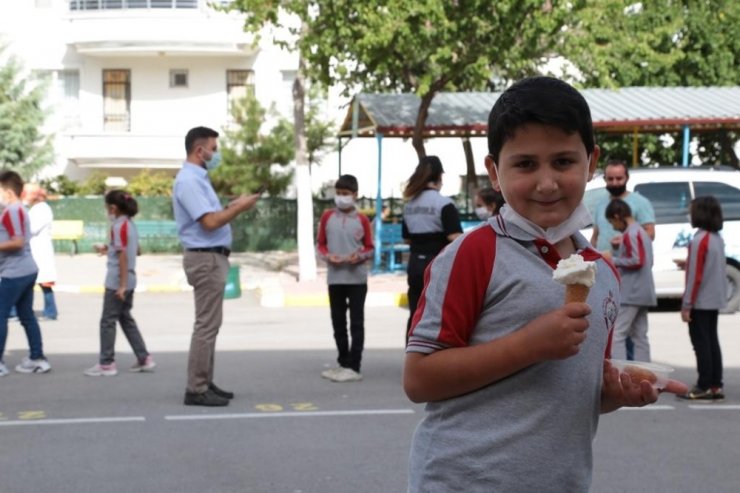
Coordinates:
[619,162]
[124,201]
[197,134]
[618,209]
[12,181]
[543,100]
[429,169]
[490,196]
[347,182]
[706,214]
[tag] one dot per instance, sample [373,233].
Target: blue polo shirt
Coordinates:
[192,197]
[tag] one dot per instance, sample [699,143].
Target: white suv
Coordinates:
[670,190]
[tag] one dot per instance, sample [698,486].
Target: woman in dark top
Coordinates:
[430,222]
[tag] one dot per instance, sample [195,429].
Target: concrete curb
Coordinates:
[270,294]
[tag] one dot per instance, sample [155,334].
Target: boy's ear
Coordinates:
[593,162]
[492,172]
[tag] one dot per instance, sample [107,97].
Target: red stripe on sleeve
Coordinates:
[367,238]
[701,257]
[466,288]
[22,221]
[640,249]
[8,224]
[322,246]
[124,234]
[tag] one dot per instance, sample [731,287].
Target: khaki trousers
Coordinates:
[206,272]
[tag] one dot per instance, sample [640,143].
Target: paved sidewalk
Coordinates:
[272,277]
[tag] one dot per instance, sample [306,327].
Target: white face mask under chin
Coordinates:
[579,219]
[482,213]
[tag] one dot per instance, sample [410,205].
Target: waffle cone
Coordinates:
[576,293]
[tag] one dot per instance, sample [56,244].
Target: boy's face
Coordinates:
[542,173]
[7,196]
[617,223]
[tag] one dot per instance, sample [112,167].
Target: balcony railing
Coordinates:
[132,4]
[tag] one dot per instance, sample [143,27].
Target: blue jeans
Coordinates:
[18,292]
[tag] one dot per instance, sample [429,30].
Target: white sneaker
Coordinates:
[330,373]
[3,370]
[147,366]
[346,375]
[102,370]
[29,365]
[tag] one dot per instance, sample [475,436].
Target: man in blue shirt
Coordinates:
[205,234]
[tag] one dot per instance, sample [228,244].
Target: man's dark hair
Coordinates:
[706,214]
[543,100]
[619,162]
[347,182]
[197,134]
[12,181]
[618,209]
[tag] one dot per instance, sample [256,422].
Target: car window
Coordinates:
[670,200]
[728,197]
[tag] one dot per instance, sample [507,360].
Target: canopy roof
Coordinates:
[625,110]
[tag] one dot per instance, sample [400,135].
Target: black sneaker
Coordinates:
[697,394]
[718,394]
[220,392]
[207,398]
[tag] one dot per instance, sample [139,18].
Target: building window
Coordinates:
[238,84]
[178,78]
[116,100]
[63,93]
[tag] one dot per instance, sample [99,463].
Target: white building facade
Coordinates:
[128,78]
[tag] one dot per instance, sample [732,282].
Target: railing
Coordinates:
[132,4]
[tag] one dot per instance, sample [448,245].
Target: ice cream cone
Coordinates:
[576,293]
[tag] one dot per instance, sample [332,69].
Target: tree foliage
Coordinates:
[151,184]
[23,147]
[663,43]
[422,47]
[250,149]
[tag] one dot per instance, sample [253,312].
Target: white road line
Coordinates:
[657,407]
[72,421]
[715,407]
[298,414]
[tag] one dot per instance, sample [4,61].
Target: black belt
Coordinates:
[222,250]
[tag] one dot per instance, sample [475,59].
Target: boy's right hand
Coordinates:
[335,259]
[559,334]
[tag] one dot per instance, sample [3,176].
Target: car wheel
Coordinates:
[733,289]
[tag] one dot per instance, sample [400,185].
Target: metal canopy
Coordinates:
[631,110]
[626,110]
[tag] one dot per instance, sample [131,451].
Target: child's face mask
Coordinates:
[483,213]
[344,201]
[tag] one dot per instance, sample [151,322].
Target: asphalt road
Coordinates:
[290,431]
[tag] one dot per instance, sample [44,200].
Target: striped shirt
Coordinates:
[634,260]
[14,222]
[706,278]
[123,238]
[344,233]
[533,430]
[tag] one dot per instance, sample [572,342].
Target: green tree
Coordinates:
[23,147]
[427,47]
[94,184]
[151,184]
[618,43]
[249,151]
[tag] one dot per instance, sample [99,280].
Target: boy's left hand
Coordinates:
[618,390]
[121,293]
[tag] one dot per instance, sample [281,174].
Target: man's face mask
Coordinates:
[213,162]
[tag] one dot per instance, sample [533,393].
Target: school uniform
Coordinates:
[530,431]
[634,260]
[345,233]
[705,295]
[18,272]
